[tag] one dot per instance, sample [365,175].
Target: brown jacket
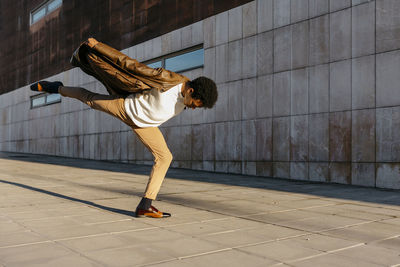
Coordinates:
[121,74]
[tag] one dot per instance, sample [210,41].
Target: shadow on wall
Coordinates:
[339,191]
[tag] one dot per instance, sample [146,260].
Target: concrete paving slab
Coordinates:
[9,227]
[322,242]
[372,254]
[281,251]
[96,242]
[235,238]
[28,213]
[395,221]
[307,203]
[235,223]
[391,243]
[368,232]
[12,210]
[244,207]
[187,246]
[20,238]
[322,223]
[32,254]
[390,210]
[248,237]
[131,256]
[98,217]
[196,229]
[82,212]
[65,261]
[124,225]
[285,216]
[340,210]
[150,235]
[332,260]
[267,197]
[201,215]
[48,222]
[60,232]
[232,258]
[276,232]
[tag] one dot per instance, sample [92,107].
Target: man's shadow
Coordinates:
[90,203]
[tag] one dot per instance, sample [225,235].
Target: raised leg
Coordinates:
[111,104]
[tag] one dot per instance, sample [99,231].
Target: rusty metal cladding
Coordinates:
[31,52]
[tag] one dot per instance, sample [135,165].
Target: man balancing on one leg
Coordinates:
[141,97]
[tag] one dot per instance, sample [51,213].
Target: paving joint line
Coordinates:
[245,218]
[324,253]
[98,223]
[79,253]
[27,244]
[383,239]
[178,224]
[74,237]
[346,248]
[233,216]
[288,210]
[347,226]
[271,241]
[204,253]
[157,262]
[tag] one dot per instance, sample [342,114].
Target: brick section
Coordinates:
[30,53]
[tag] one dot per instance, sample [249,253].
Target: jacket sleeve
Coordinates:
[158,77]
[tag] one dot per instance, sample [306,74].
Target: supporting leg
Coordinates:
[153,139]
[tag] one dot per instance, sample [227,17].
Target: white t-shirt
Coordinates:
[154,107]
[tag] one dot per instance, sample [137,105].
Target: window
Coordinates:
[181,61]
[44,9]
[185,61]
[44,100]
[157,64]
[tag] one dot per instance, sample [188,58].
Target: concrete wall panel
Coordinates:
[302,94]
[282,49]
[387,25]
[363,29]
[363,82]
[340,34]
[265,15]
[298,10]
[319,40]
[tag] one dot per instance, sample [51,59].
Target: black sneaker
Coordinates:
[45,86]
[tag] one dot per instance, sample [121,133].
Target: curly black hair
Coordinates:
[205,89]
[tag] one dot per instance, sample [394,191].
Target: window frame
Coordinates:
[46,102]
[44,5]
[175,54]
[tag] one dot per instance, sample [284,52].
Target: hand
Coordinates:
[92,42]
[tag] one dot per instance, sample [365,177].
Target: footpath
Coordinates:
[58,211]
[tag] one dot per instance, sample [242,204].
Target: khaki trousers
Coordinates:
[151,137]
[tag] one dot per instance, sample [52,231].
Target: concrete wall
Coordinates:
[308,89]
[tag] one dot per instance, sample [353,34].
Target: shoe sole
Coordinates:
[164,215]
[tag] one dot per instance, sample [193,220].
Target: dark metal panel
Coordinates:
[31,52]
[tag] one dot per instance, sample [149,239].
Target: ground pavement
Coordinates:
[67,212]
